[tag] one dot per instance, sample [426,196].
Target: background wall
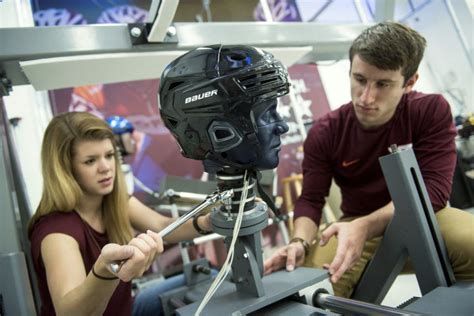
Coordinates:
[446,68]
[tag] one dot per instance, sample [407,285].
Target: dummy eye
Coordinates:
[271,115]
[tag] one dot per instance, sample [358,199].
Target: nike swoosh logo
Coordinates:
[346,164]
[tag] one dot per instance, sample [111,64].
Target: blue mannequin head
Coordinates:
[220,103]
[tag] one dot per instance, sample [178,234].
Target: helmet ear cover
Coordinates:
[223,136]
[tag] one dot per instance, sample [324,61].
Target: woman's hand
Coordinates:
[136,257]
[205,222]
[147,246]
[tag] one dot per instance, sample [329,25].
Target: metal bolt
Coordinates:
[246,255]
[135,31]
[171,31]
[393,148]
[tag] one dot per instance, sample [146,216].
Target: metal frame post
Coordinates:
[15,289]
[412,232]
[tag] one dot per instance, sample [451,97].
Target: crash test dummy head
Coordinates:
[220,103]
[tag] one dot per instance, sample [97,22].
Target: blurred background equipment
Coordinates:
[462,194]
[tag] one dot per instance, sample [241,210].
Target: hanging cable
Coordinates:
[230,255]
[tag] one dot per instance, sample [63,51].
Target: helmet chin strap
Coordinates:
[264,195]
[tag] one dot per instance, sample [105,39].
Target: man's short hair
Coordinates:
[390,46]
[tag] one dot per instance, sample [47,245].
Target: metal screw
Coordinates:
[171,31]
[393,148]
[246,255]
[135,32]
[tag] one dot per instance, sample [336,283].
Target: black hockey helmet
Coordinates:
[207,96]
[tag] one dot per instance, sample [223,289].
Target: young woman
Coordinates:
[85,220]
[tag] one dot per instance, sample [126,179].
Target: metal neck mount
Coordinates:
[247,266]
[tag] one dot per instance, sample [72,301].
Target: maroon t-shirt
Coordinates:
[71,224]
[338,147]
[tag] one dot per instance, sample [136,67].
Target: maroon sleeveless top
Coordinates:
[90,244]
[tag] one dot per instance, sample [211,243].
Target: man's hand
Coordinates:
[351,240]
[290,256]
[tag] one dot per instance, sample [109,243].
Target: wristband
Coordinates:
[102,277]
[197,228]
[303,242]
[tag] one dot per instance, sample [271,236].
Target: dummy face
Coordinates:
[270,127]
[376,93]
[93,166]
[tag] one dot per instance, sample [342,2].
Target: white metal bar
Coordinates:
[163,20]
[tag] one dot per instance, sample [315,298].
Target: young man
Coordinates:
[346,144]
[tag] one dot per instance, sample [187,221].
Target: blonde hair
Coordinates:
[61,192]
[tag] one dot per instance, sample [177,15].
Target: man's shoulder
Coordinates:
[424,100]
[425,105]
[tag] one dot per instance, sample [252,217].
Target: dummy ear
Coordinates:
[411,82]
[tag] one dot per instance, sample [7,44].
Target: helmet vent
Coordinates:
[259,79]
[174,85]
[267,73]
[172,122]
[237,57]
[269,80]
[250,77]
[222,134]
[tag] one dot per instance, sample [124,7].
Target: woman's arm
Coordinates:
[73,292]
[142,218]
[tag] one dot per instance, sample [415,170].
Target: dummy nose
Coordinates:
[281,128]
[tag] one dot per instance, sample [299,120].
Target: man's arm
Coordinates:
[305,229]
[352,237]
[317,176]
[433,143]
[376,222]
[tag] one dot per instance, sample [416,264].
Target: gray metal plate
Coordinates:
[291,308]
[277,286]
[445,301]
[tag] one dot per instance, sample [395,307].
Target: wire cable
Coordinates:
[230,255]
[146,189]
